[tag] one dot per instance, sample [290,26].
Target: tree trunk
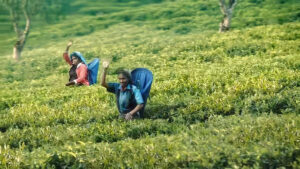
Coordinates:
[21,36]
[17,51]
[227,12]
[225,24]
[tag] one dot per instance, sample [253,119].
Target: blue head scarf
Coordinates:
[79,55]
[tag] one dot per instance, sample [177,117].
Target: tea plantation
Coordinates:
[218,100]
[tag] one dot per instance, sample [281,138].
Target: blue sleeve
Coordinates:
[112,87]
[138,96]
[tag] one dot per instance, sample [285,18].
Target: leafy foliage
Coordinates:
[217,101]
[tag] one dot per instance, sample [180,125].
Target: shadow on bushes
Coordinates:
[162,111]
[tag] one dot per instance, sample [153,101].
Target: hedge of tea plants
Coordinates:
[217,101]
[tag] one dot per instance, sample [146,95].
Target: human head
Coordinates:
[124,78]
[75,59]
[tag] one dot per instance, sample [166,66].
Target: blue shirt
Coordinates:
[125,96]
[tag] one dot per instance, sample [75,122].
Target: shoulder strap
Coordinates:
[132,101]
[118,96]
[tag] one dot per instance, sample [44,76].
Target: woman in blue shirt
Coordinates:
[129,97]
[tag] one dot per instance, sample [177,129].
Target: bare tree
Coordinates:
[16,9]
[23,10]
[227,11]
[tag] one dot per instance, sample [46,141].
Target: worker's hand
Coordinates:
[128,116]
[70,83]
[70,44]
[105,64]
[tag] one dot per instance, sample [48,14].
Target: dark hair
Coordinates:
[126,74]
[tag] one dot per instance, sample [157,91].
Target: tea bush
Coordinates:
[235,141]
[217,101]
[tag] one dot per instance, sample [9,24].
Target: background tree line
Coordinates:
[50,11]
